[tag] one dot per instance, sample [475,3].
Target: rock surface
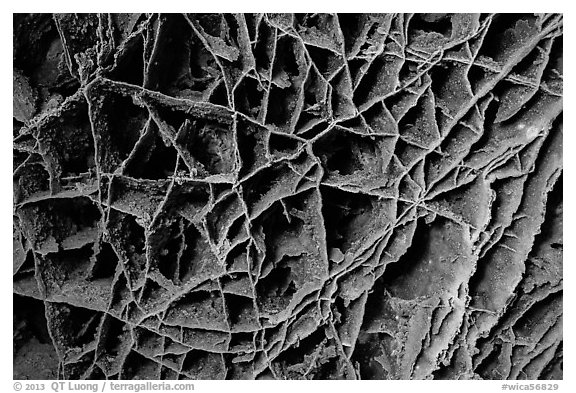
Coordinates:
[288,196]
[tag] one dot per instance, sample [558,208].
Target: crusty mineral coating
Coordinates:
[287,196]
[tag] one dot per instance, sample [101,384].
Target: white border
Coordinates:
[569,383]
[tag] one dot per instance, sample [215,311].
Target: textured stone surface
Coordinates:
[288,196]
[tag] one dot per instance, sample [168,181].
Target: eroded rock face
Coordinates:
[288,196]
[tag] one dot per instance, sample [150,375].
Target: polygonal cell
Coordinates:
[437,25]
[79,33]
[418,126]
[315,105]
[249,96]
[153,157]
[242,342]
[218,30]
[319,29]
[288,76]
[237,368]
[114,346]
[168,68]
[252,146]
[341,96]
[198,261]
[268,185]
[121,295]
[237,284]
[129,67]
[65,223]
[31,338]
[378,120]
[351,218]
[189,200]
[311,358]
[242,312]
[24,278]
[327,62]
[380,79]
[153,296]
[118,124]
[73,329]
[283,145]
[198,310]
[81,367]
[137,366]
[206,339]
[41,56]
[127,238]
[344,153]
[552,77]
[454,147]
[148,343]
[69,142]
[508,33]
[31,179]
[237,259]
[275,290]
[67,268]
[169,250]
[206,143]
[223,216]
[293,261]
[105,261]
[204,365]
[167,373]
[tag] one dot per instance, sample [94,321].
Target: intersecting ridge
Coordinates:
[288,196]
